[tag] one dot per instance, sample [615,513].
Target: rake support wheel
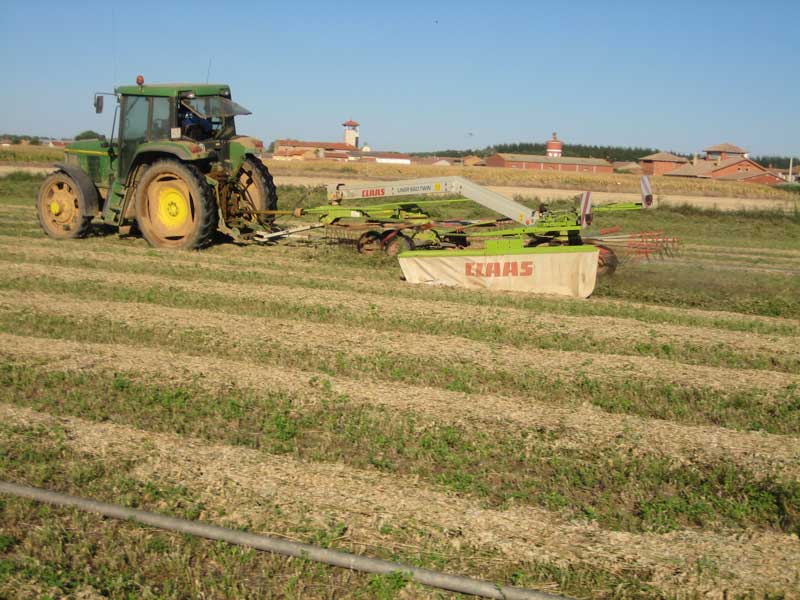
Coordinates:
[369,243]
[607,261]
[175,206]
[399,243]
[61,206]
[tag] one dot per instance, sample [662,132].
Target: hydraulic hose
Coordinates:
[453,583]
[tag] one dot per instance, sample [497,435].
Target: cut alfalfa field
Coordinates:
[642,443]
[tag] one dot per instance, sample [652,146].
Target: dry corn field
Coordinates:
[639,444]
[497,176]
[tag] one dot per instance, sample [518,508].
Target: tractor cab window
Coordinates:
[135,110]
[160,122]
[207,117]
[134,119]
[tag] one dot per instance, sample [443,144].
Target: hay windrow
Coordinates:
[365,298]
[576,427]
[359,341]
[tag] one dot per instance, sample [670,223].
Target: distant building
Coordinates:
[624,166]
[473,161]
[435,161]
[549,163]
[724,152]
[726,162]
[312,149]
[661,163]
[388,158]
[552,161]
[554,147]
[344,151]
[351,132]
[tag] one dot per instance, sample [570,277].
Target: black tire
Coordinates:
[398,244]
[259,188]
[60,206]
[369,242]
[175,206]
[607,261]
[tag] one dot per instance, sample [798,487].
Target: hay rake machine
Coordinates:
[535,250]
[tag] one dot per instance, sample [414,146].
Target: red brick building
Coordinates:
[297,149]
[724,152]
[661,163]
[728,163]
[549,163]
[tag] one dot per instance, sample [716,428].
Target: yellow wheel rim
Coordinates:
[173,208]
[168,210]
[58,206]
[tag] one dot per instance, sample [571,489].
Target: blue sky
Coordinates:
[426,75]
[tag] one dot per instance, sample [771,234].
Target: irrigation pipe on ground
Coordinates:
[453,583]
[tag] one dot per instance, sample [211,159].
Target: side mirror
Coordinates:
[98,104]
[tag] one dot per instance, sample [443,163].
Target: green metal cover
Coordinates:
[171,90]
[500,252]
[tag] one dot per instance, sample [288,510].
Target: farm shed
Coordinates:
[660,163]
[549,163]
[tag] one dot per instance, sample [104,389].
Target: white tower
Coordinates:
[350,132]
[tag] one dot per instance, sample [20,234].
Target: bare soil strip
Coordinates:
[745,251]
[578,427]
[238,480]
[711,256]
[360,341]
[719,265]
[617,331]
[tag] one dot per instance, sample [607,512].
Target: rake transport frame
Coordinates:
[404,226]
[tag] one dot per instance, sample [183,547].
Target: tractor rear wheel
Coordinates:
[60,207]
[258,188]
[175,207]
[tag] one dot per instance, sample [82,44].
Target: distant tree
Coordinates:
[620,153]
[35,141]
[88,135]
[271,147]
[778,162]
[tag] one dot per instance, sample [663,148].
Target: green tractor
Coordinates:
[177,171]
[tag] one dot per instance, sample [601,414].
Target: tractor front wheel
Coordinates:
[175,207]
[60,207]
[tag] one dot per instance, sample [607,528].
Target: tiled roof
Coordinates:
[726,147]
[743,175]
[564,160]
[664,157]
[704,168]
[386,154]
[324,145]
